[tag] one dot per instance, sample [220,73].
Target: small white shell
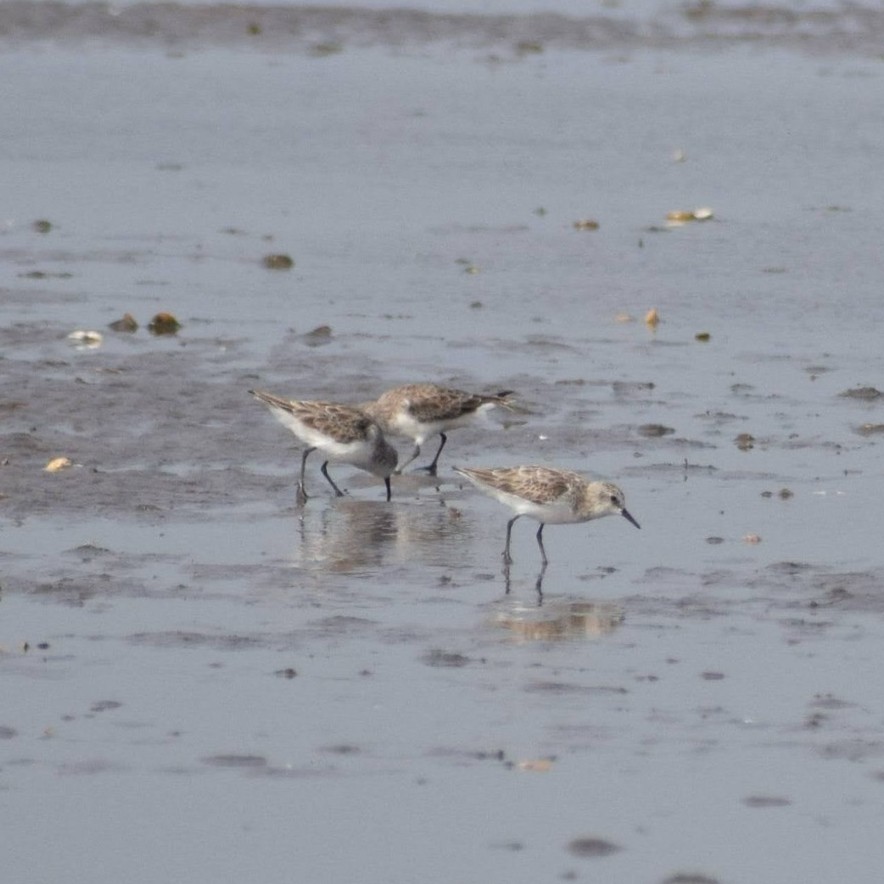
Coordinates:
[86,340]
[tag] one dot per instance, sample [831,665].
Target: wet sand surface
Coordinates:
[203,682]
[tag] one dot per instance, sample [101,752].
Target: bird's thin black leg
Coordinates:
[414,456]
[431,468]
[302,491]
[338,492]
[540,543]
[507,558]
[387,483]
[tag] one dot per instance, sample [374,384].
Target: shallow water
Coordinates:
[349,691]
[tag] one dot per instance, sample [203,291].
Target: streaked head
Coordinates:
[608,500]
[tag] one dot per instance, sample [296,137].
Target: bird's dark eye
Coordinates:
[614,499]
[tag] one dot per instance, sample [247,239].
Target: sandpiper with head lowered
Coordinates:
[420,411]
[342,433]
[549,495]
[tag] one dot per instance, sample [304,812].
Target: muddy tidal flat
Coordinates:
[659,225]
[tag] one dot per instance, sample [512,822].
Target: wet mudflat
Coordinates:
[203,681]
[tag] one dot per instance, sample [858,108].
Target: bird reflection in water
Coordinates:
[558,620]
[538,583]
[353,535]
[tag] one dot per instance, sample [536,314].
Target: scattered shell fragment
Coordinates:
[745,441]
[684,216]
[163,324]
[126,324]
[86,340]
[278,262]
[870,429]
[652,318]
[679,155]
[56,464]
[752,538]
[586,224]
[538,765]
[624,317]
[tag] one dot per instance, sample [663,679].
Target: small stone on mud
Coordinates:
[654,430]
[441,658]
[529,47]
[703,337]
[320,50]
[714,541]
[163,324]
[590,848]
[766,801]
[278,262]
[586,224]
[320,335]
[236,760]
[126,324]
[752,538]
[745,441]
[42,226]
[652,318]
[867,394]
[690,878]
[288,672]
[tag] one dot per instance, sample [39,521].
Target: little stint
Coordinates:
[549,495]
[342,433]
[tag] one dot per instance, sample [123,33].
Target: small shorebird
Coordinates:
[548,495]
[342,433]
[419,411]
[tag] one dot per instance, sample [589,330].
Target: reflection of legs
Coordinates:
[538,584]
[302,492]
[431,468]
[338,492]
[540,543]
[507,558]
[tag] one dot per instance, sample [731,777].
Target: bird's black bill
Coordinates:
[628,517]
